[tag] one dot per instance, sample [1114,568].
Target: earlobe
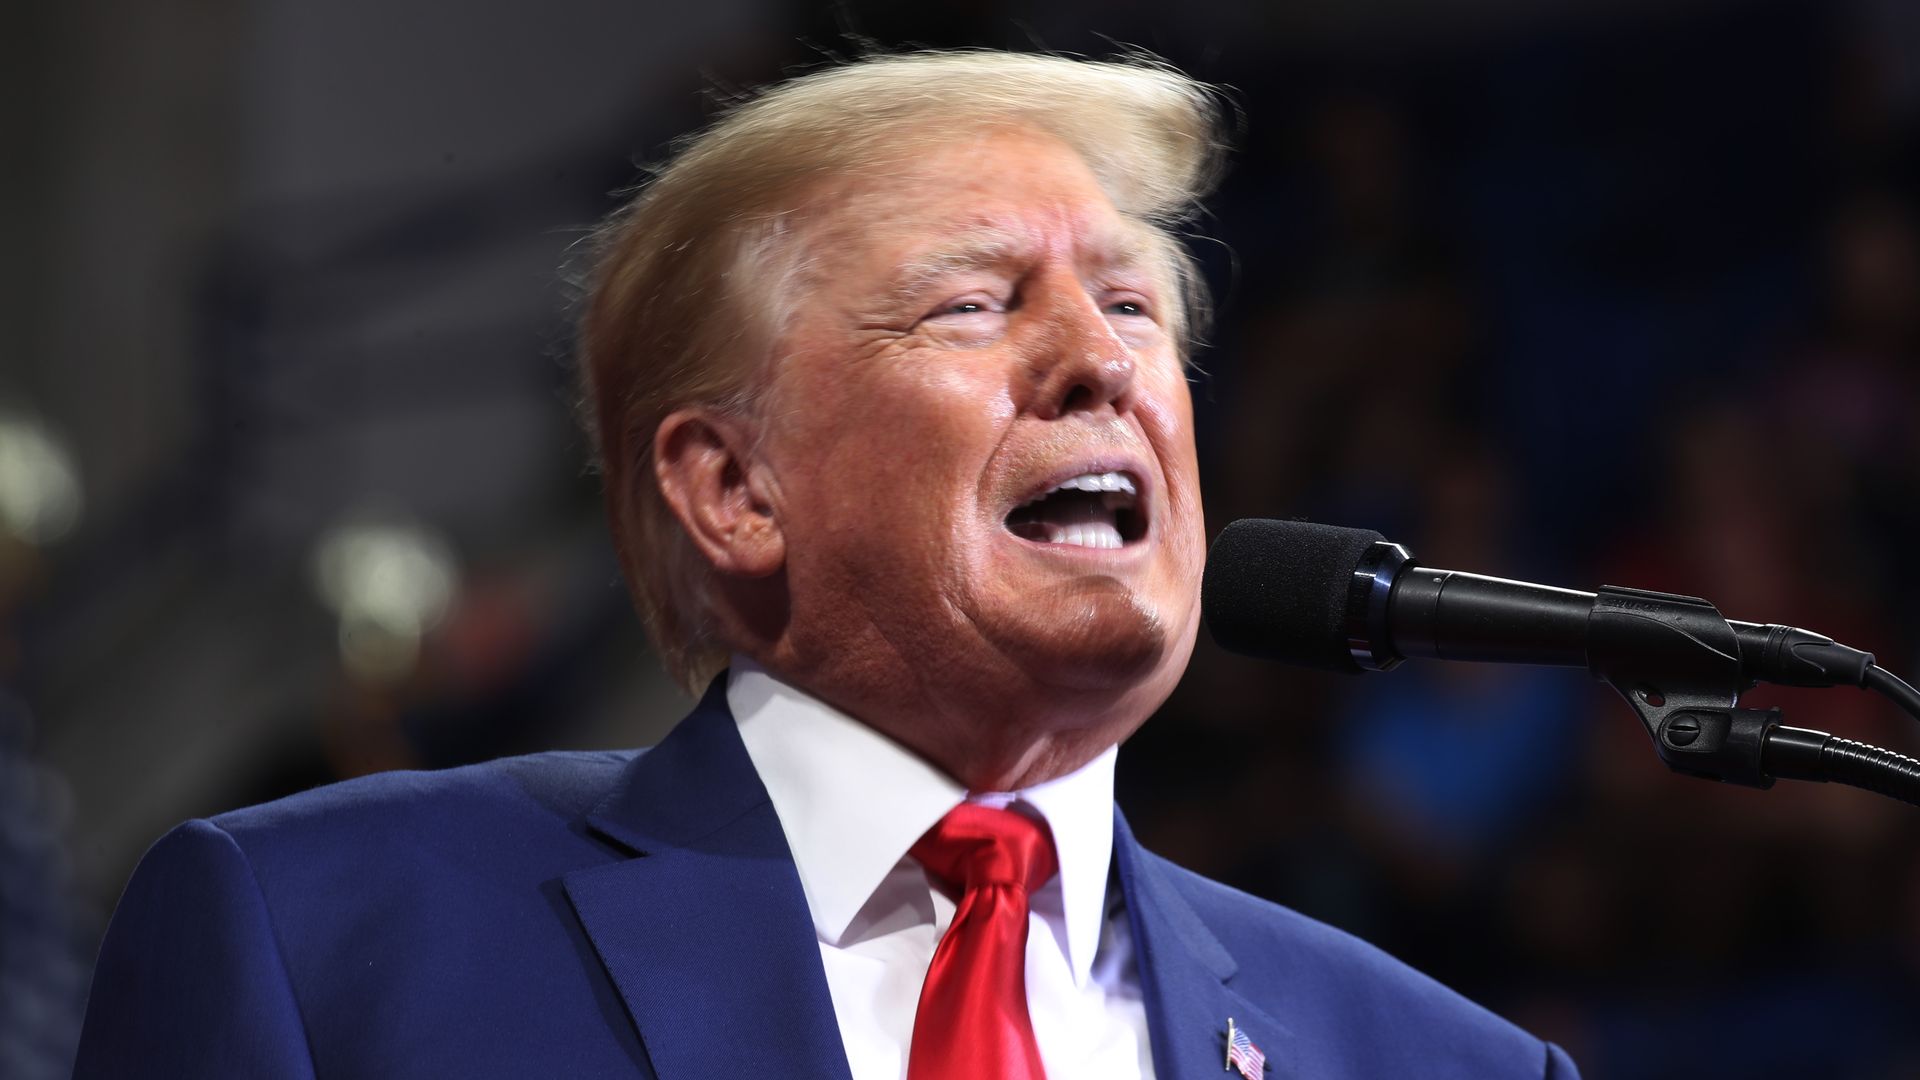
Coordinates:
[711,482]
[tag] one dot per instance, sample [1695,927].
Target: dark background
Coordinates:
[289,488]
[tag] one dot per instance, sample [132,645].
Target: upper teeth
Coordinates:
[1106,481]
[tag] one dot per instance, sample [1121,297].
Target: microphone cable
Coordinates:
[1885,682]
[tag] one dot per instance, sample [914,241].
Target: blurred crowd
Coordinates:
[1701,380]
[1630,298]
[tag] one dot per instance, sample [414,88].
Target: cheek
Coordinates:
[900,442]
[943,420]
[1166,415]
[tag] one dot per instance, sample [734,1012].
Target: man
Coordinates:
[887,374]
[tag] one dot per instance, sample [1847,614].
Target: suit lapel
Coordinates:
[705,931]
[1186,976]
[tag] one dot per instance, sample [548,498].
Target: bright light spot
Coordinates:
[39,483]
[390,584]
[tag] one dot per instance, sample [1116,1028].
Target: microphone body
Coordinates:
[1451,615]
[1275,589]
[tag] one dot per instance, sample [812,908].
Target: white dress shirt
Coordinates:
[853,801]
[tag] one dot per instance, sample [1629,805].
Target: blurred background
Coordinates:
[1625,293]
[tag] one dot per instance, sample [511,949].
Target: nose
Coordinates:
[1078,363]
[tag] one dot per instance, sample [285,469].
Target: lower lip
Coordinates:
[1134,551]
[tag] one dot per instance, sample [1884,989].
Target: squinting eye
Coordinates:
[1127,307]
[985,306]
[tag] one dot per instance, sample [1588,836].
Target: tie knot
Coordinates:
[975,846]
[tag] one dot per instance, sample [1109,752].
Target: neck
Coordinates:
[1011,767]
[985,741]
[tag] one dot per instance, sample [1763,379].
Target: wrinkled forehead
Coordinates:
[1000,197]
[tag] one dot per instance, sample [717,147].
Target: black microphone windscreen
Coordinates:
[1278,590]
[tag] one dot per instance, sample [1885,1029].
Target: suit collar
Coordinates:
[1186,974]
[705,931]
[696,780]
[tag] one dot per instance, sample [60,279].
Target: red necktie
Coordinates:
[973,1022]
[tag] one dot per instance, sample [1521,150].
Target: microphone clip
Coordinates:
[1677,662]
[1699,737]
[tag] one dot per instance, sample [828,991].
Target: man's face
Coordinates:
[981,434]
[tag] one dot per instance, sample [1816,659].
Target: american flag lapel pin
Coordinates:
[1243,1055]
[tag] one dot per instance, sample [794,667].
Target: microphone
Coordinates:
[1349,600]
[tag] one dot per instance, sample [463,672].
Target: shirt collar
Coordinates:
[852,801]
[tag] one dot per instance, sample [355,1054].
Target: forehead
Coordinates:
[999,196]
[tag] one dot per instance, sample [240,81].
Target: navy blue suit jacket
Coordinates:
[639,915]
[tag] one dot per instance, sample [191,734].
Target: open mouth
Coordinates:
[1092,510]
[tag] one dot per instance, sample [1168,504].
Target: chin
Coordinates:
[1109,643]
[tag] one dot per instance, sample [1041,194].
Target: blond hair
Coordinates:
[684,281]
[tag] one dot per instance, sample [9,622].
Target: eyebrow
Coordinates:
[987,248]
[980,250]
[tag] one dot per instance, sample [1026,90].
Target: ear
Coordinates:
[711,483]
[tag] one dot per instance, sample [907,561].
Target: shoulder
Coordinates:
[417,832]
[392,864]
[1373,1007]
[556,784]
[349,918]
